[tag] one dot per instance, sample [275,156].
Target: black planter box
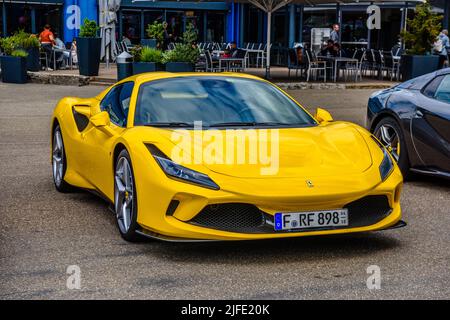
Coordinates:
[88,51]
[179,67]
[413,66]
[142,67]
[14,69]
[152,43]
[33,63]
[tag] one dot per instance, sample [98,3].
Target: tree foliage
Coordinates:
[422,31]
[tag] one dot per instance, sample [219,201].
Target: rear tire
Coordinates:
[391,135]
[125,198]
[59,162]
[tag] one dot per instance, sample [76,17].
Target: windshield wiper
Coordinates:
[170,124]
[248,124]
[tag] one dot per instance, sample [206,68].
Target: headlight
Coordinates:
[386,165]
[178,172]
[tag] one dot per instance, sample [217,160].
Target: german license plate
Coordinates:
[311,219]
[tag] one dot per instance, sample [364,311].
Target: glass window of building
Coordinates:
[151,16]
[175,27]
[215,27]
[19,18]
[131,25]
[49,14]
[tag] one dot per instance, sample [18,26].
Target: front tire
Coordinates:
[59,162]
[125,198]
[391,135]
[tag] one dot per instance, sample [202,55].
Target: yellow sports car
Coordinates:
[222,157]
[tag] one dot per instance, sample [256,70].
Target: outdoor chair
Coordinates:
[355,68]
[378,66]
[389,65]
[237,65]
[211,65]
[43,57]
[369,62]
[314,66]
[293,62]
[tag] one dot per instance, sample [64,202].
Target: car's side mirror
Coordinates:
[323,115]
[102,122]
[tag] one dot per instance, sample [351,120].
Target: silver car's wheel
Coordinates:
[389,136]
[124,189]
[58,158]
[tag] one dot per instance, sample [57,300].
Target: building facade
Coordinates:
[215,21]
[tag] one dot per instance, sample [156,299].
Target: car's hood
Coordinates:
[334,149]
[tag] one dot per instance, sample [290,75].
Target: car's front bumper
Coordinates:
[158,219]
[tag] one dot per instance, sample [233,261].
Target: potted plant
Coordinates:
[185,55]
[29,43]
[423,30]
[147,59]
[13,63]
[88,48]
[155,32]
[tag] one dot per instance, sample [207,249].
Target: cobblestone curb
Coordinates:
[59,79]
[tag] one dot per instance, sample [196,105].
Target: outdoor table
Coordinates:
[335,61]
[227,62]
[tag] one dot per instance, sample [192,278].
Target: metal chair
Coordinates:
[315,66]
[391,67]
[293,63]
[355,67]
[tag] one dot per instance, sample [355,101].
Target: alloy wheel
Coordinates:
[58,158]
[123,194]
[390,139]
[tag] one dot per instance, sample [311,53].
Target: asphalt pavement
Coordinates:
[43,232]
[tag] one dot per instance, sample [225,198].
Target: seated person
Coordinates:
[233,48]
[328,49]
[336,51]
[60,56]
[227,53]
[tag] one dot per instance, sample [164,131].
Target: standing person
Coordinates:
[167,37]
[47,40]
[334,35]
[442,47]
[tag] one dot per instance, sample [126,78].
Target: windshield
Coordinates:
[217,102]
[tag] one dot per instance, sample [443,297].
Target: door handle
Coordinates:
[419,114]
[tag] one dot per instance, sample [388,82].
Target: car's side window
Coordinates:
[443,91]
[117,103]
[430,89]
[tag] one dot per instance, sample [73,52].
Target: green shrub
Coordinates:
[156,31]
[8,45]
[423,30]
[20,53]
[182,53]
[148,54]
[88,29]
[186,51]
[26,40]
